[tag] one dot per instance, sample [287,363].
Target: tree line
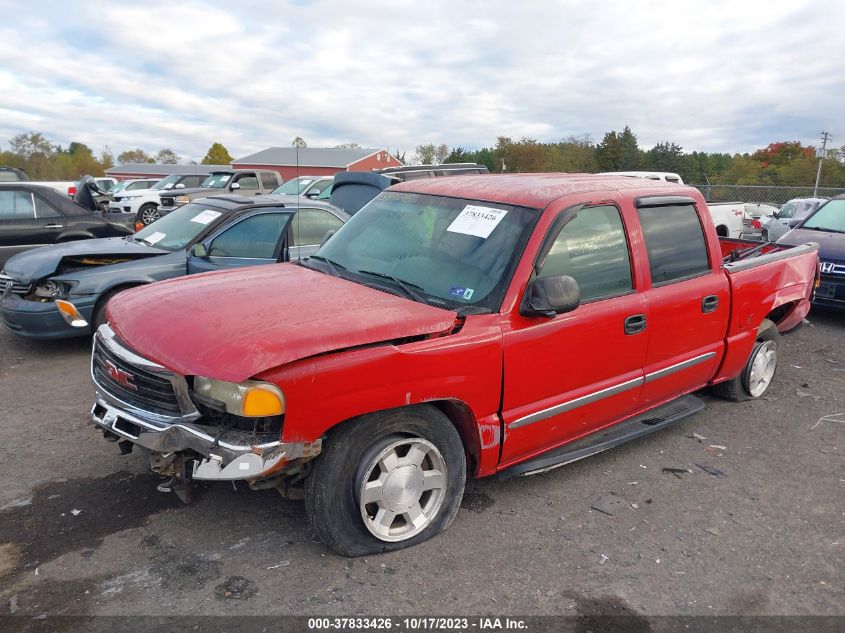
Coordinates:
[780,163]
[43,160]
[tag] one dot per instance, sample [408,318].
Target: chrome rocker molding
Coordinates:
[569,405]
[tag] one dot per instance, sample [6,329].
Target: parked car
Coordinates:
[245,182]
[32,215]
[12,174]
[429,339]
[62,291]
[134,185]
[826,226]
[752,222]
[308,186]
[142,205]
[105,183]
[776,226]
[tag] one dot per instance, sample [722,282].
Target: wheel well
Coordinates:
[781,312]
[111,291]
[722,230]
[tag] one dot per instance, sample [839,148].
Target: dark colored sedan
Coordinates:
[826,226]
[62,290]
[33,215]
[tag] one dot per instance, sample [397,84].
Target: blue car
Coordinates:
[826,225]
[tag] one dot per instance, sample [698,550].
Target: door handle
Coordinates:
[635,324]
[709,303]
[52,226]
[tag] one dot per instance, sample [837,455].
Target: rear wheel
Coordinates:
[386,482]
[759,371]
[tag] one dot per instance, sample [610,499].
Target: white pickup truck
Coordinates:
[727,216]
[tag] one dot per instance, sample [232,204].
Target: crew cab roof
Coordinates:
[528,190]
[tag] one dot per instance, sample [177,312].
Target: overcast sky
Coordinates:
[709,75]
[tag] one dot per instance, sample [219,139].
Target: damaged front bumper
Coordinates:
[216,453]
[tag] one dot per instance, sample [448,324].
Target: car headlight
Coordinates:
[182,199]
[49,289]
[250,398]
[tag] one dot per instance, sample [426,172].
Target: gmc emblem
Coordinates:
[121,377]
[827,267]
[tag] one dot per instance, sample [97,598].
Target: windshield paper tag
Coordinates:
[460,291]
[205,217]
[155,237]
[477,221]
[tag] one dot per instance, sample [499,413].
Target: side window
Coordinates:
[248,182]
[16,205]
[268,181]
[44,210]
[675,243]
[320,186]
[311,225]
[254,237]
[192,181]
[593,249]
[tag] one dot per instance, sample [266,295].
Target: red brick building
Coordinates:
[291,162]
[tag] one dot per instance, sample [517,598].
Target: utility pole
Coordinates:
[821,154]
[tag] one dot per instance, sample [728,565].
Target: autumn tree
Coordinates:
[217,154]
[441,152]
[134,156]
[425,154]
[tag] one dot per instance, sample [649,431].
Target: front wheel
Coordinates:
[759,370]
[386,481]
[149,214]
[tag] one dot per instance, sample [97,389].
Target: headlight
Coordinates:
[182,199]
[251,398]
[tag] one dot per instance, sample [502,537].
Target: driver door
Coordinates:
[249,241]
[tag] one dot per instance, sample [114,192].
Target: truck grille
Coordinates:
[166,202]
[130,384]
[14,287]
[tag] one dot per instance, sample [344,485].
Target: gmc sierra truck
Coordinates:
[453,328]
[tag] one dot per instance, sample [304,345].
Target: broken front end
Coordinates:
[194,427]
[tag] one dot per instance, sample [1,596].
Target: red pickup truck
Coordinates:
[453,328]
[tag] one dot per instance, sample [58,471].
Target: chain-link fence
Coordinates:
[762,194]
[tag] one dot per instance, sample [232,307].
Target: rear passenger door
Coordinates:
[19,229]
[249,241]
[248,184]
[308,229]
[687,297]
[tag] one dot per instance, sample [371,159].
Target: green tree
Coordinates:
[106,159]
[134,156]
[441,153]
[664,157]
[167,156]
[425,154]
[459,155]
[298,142]
[217,154]
[609,152]
[28,144]
[631,154]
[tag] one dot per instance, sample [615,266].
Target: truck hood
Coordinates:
[235,324]
[42,262]
[831,245]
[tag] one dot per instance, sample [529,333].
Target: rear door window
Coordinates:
[311,225]
[674,239]
[255,237]
[268,181]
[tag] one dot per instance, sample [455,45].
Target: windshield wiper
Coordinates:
[406,286]
[331,263]
[821,228]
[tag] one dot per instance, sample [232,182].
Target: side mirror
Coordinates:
[550,296]
[199,250]
[793,222]
[311,193]
[326,237]
[181,185]
[235,185]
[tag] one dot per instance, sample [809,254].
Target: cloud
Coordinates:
[714,76]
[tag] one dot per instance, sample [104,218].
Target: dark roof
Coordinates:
[164,170]
[530,190]
[231,202]
[308,156]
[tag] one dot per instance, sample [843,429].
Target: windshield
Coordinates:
[119,187]
[454,252]
[325,194]
[294,187]
[216,181]
[166,183]
[830,217]
[176,229]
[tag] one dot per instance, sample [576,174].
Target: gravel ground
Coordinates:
[83,530]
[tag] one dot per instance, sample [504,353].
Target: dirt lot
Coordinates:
[83,530]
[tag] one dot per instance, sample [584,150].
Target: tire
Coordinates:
[98,317]
[392,457]
[148,214]
[759,371]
